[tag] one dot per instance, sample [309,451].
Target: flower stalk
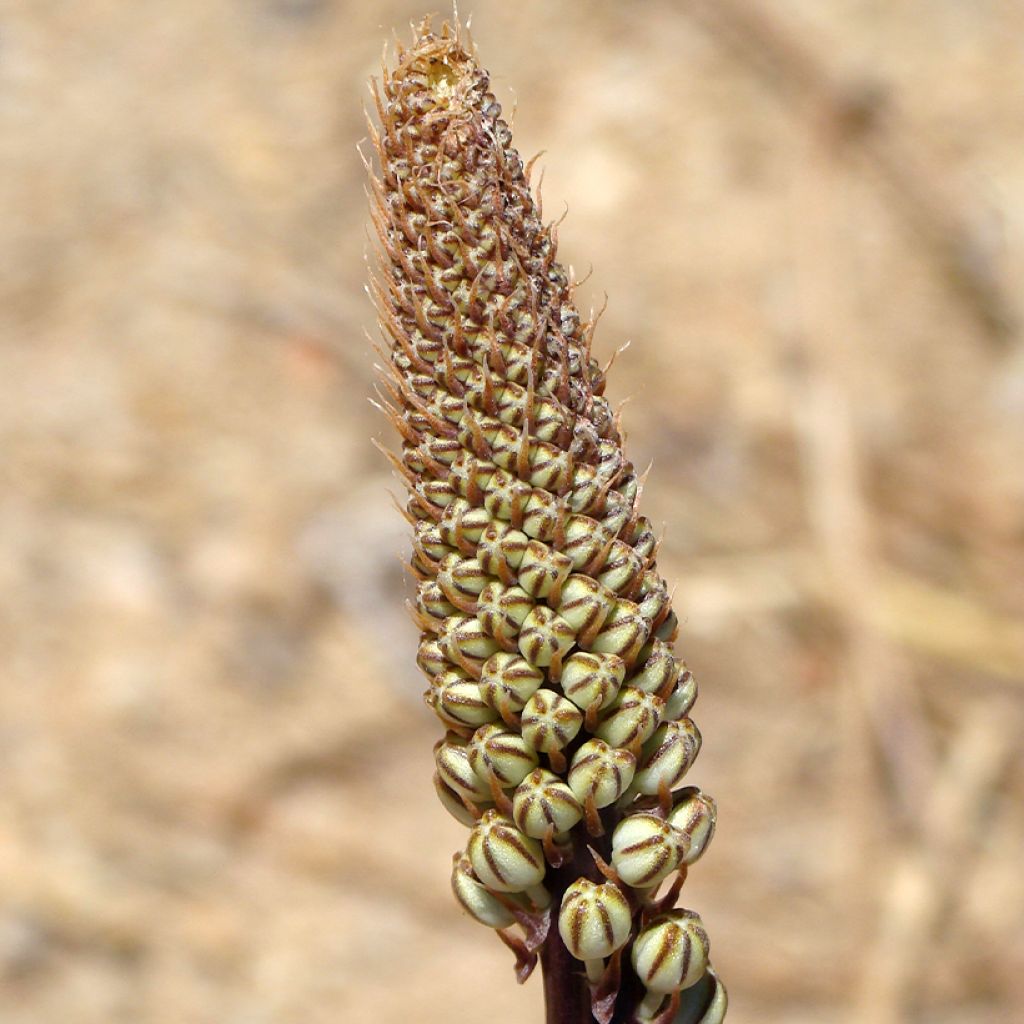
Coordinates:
[546,629]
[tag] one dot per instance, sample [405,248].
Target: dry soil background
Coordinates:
[215,798]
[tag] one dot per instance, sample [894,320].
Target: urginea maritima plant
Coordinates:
[547,631]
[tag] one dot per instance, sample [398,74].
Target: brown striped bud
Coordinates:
[461,523]
[601,773]
[585,539]
[458,700]
[506,497]
[694,815]
[624,632]
[645,849]
[470,475]
[498,753]
[670,954]
[465,642]
[433,605]
[502,610]
[657,668]
[507,682]
[453,804]
[501,550]
[719,1004]
[428,542]
[594,921]
[505,859]
[545,636]
[430,657]
[451,755]
[632,718]
[621,568]
[481,905]
[461,579]
[683,697]
[541,515]
[585,604]
[592,680]
[542,569]
[549,721]
[667,757]
[543,801]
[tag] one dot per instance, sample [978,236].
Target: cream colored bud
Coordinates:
[542,801]
[497,752]
[543,568]
[502,610]
[621,567]
[671,953]
[459,699]
[716,1009]
[585,538]
[453,804]
[653,597]
[585,604]
[461,521]
[430,657]
[600,772]
[594,921]
[465,642]
[550,721]
[667,757]
[632,718]
[501,550]
[645,849]
[544,636]
[657,668]
[481,905]
[505,859]
[451,755]
[624,632]
[683,696]
[508,681]
[694,815]
[433,604]
[590,679]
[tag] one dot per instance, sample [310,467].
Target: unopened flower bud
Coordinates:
[507,682]
[498,753]
[670,954]
[507,860]
[590,679]
[451,756]
[694,815]
[632,718]
[502,610]
[645,849]
[465,642]
[544,636]
[667,757]
[659,668]
[594,921]
[621,567]
[585,604]
[550,721]
[542,801]
[459,699]
[480,904]
[601,773]
[623,633]
[453,804]
[682,698]
[542,569]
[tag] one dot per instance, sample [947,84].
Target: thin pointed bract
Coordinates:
[546,628]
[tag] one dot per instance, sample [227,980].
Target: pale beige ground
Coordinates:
[215,803]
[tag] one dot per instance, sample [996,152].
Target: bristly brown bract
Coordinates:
[547,631]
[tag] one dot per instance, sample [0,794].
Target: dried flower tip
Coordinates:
[600,773]
[480,904]
[670,954]
[507,682]
[454,805]
[645,849]
[506,860]
[632,719]
[592,680]
[594,921]
[550,721]
[694,815]
[500,754]
[452,759]
[667,757]
[543,801]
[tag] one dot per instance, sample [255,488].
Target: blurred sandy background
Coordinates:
[215,798]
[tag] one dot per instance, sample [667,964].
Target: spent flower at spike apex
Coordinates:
[546,630]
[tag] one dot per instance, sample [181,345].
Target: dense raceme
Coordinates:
[547,630]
